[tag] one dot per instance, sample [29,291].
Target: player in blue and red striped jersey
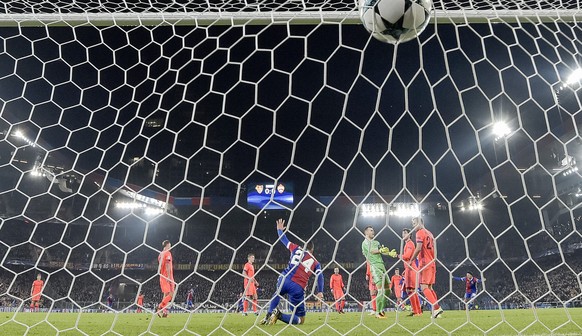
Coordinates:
[470,288]
[293,281]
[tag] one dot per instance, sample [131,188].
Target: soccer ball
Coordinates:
[395,21]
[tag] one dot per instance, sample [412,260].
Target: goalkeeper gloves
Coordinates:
[386,251]
[393,253]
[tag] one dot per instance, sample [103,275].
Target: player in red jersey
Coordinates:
[35,293]
[425,251]
[371,287]
[336,283]
[410,273]
[396,288]
[139,303]
[167,283]
[250,285]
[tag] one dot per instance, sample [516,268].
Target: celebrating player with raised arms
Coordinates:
[35,293]
[336,284]
[167,284]
[293,281]
[425,251]
[373,251]
[470,288]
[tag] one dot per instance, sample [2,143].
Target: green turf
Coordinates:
[507,322]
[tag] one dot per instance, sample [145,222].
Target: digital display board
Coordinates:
[269,195]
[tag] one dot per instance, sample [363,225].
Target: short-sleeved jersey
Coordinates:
[395,281]
[190,295]
[426,255]
[336,281]
[140,299]
[367,247]
[408,252]
[165,259]
[301,265]
[37,286]
[250,270]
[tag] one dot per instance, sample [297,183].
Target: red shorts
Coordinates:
[398,293]
[410,278]
[167,285]
[250,289]
[338,294]
[372,285]
[35,297]
[428,274]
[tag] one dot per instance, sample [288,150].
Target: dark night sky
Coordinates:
[326,107]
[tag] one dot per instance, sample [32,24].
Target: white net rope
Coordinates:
[127,123]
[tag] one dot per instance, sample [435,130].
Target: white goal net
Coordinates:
[127,123]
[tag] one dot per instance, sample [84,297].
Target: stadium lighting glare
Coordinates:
[500,130]
[373,209]
[18,134]
[406,210]
[37,171]
[153,211]
[569,171]
[575,77]
[129,205]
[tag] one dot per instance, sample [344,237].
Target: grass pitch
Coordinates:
[552,321]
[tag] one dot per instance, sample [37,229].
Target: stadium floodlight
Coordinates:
[474,204]
[20,135]
[373,209]
[129,205]
[501,130]
[406,210]
[153,211]
[575,77]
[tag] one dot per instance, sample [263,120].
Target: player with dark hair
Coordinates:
[373,251]
[425,251]
[470,288]
[336,284]
[35,293]
[167,284]
[250,284]
[293,281]
[410,273]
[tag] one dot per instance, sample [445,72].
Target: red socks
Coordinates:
[374,302]
[165,301]
[431,297]
[414,302]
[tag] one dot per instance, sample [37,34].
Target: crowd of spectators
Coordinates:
[214,273]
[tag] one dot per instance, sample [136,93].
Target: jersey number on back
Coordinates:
[297,256]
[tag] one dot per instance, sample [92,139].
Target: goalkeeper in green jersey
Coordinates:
[373,252]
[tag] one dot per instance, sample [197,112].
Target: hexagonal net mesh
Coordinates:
[127,123]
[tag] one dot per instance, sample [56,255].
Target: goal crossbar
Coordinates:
[276,17]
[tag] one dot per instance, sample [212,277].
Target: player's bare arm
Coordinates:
[416,253]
